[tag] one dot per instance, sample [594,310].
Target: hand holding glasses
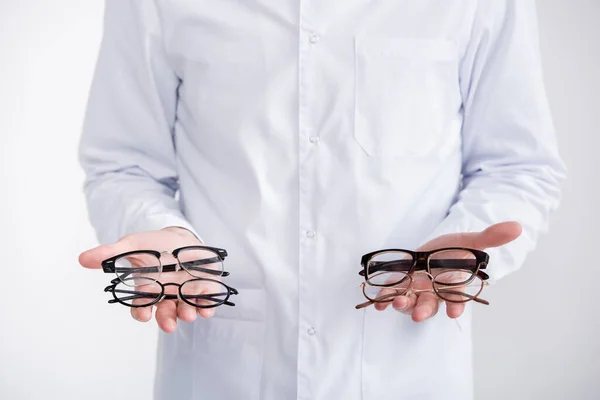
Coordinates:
[453,274]
[192,274]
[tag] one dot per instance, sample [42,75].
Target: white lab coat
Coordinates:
[299,136]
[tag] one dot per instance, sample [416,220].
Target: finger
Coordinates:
[199,288]
[454,310]
[405,304]
[493,236]
[426,307]
[206,312]
[497,235]
[142,314]
[166,315]
[93,258]
[385,293]
[185,312]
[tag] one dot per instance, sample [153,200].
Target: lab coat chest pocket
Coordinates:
[405,91]
[229,347]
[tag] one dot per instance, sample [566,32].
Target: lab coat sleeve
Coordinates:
[511,168]
[127,149]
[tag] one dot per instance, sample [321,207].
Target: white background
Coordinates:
[540,338]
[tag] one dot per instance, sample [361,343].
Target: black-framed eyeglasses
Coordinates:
[150,265]
[144,292]
[391,267]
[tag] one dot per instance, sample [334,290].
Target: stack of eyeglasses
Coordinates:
[191,274]
[453,274]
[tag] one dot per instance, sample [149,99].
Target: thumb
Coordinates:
[497,235]
[93,258]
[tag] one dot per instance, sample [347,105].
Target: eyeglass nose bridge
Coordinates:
[420,259]
[178,266]
[164,285]
[424,273]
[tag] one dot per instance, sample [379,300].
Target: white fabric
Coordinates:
[299,136]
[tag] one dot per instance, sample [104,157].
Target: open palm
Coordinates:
[424,303]
[167,311]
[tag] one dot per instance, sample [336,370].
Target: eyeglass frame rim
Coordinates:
[108,265]
[433,289]
[419,257]
[230,291]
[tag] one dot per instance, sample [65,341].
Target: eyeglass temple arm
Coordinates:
[147,295]
[390,266]
[193,266]
[406,265]
[445,291]
[208,297]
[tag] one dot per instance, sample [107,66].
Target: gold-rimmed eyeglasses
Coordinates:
[461,293]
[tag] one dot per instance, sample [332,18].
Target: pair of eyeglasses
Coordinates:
[190,274]
[145,292]
[454,274]
[150,265]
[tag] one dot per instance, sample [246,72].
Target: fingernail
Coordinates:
[190,314]
[210,312]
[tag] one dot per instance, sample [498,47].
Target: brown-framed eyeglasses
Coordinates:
[454,274]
